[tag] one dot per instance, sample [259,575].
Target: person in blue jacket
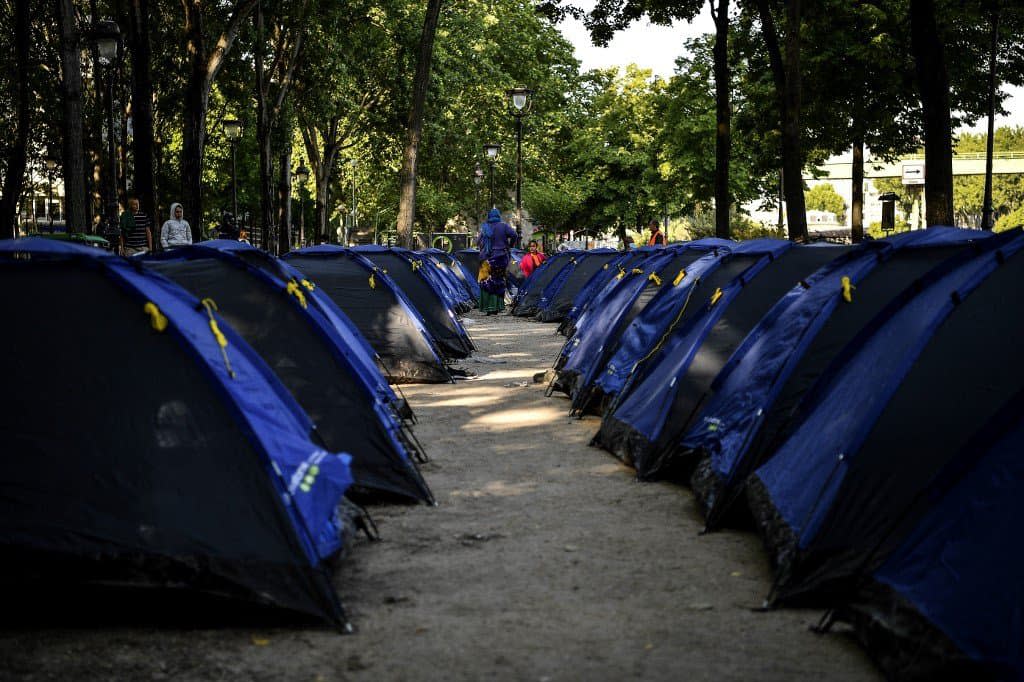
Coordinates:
[495,241]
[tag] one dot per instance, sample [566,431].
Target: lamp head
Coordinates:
[106,38]
[232,129]
[520,99]
[492,150]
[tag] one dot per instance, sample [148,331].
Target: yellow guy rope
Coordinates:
[295,290]
[156,318]
[847,289]
[222,340]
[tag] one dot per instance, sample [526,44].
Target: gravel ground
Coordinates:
[544,560]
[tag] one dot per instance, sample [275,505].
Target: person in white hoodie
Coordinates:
[176,231]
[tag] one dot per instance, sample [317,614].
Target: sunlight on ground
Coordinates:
[497,489]
[522,373]
[522,418]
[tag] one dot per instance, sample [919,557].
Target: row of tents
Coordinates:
[861,407]
[212,416]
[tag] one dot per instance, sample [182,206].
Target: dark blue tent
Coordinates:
[624,297]
[454,266]
[757,393]
[402,266]
[160,450]
[947,603]
[371,367]
[457,297]
[671,307]
[532,288]
[378,307]
[666,388]
[558,295]
[904,397]
[312,360]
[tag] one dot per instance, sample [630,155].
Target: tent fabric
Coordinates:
[311,360]
[440,320]
[379,309]
[664,393]
[458,271]
[844,485]
[757,393]
[531,290]
[444,281]
[371,367]
[624,297]
[470,259]
[559,294]
[933,609]
[120,471]
[672,307]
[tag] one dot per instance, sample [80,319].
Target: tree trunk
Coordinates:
[414,130]
[76,215]
[787,85]
[284,195]
[193,141]
[723,129]
[263,143]
[933,86]
[142,107]
[857,191]
[17,154]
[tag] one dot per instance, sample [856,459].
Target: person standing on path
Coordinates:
[136,230]
[494,241]
[176,231]
[533,258]
[657,237]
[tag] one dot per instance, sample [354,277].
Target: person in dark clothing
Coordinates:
[657,236]
[495,241]
[136,230]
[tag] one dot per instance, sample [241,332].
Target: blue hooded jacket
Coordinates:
[495,236]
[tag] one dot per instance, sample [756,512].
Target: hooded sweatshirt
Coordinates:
[495,237]
[175,232]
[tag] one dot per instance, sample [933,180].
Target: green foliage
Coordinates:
[1010,220]
[823,197]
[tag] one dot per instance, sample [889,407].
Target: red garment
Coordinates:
[530,262]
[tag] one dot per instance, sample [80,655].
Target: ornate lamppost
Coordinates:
[106,39]
[302,174]
[51,163]
[491,149]
[233,131]
[478,177]
[519,106]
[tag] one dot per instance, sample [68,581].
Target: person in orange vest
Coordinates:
[533,258]
[657,237]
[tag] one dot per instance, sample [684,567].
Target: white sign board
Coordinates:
[913,173]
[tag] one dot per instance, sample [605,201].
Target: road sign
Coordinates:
[913,172]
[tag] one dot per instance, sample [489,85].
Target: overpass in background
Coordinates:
[1003,163]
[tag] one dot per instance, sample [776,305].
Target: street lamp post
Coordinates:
[233,131]
[353,225]
[478,177]
[519,106]
[51,163]
[301,174]
[106,38]
[491,150]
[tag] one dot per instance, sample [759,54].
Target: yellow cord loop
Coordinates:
[715,296]
[847,289]
[222,340]
[604,267]
[295,290]
[309,285]
[638,271]
[622,273]
[415,265]
[654,278]
[679,278]
[156,318]
[373,282]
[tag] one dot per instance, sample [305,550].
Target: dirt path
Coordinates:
[544,560]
